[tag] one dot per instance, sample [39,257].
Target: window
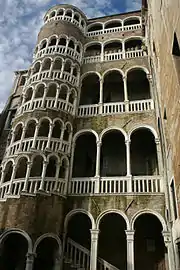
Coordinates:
[173,199]
[23,80]
[176,48]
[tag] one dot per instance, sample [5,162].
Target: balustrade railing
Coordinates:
[58,49]
[114,56]
[115,185]
[115,108]
[114,30]
[51,185]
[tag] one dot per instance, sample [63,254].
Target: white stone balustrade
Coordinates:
[116,108]
[51,185]
[115,185]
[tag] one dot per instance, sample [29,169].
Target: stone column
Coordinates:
[62,70]
[94,249]
[32,99]
[45,163]
[49,136]
[130,249]
[57,263]
[35,136]
[22,103]
[126,101]
[22,138]
[169,245]
[51,68]
[44,97]
[102,53]
[67,100]
[56,98]
[123,50]
[29,261]
[11,181]
[29,166]
[159,156]
[98,154]
[101,96]
[58,166]
[72,160]
[128,159]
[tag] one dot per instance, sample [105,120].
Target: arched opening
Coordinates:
[63,92]
[63,169]
[75,71]
[30,129]
[57,129]
[46,64]
[71,44]
[37,166]
[91,81]
[113,87]
[39,91]
[62,42]
[78,230]
[72,96]
[44,128]
[76,17]
[57,64]
[21,168]
[78,49]
[8,171]
[13,252]
[52,14]
[113,154]
[29,93]
[60,12]
[95,27]
[138,85]
[67,66]
[52,42]
[133,44]
[112,241]
[47,252]
[51,91]
[36,68]
[67,132]
[85,156]
[149,244]
[93,50]
[113,24]
[143,153]
[131,21]
[43,44]
[82,23]
[18,132]
[51,167]
[113,47]
[68,13]
[45,20]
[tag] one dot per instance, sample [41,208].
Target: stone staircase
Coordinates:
[77,257]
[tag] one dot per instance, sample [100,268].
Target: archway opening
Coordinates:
[13,255]
[149,244]
[18,133]
[62,42]
[37,166]
[36,68]
[138,85]
[53,41]
[60,12]
[47,252]
[67,66]
[143,153]
[30,129]
[63,92]
[28,95]
[113,87]
[8,171]
[51,167]
[51,91]
[90,90]
[68,13]
[85,156]
[57,64]
[133,44]
[113,24]
[43,44]
[113,154]
[76,17]
[95,27]
[131,21]
[112,241]
[93,50]
[67,132]
[39,91]
[71,44]
[63,172]
[57,129]
[52,14]
[44,128]
[113,47]
[21,168]
[46,64]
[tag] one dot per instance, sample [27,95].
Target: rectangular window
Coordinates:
[173,199]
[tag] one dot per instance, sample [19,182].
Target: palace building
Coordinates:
[89,137]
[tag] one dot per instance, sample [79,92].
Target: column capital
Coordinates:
[157,141]
[94,234]
[99,143]
[130,235]
[128,141]
[45,162]
[124,76]
[167,237]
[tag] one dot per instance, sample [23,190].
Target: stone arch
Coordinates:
[37,165]
[137,68]
[95,26]
[71,43]
[59,13]
[18,129]
[64,168]
[57,64]
[69,12]
[21,166]
[131,18]
[111,70]
[46,235]
[28,93]
[93,48]
[63,39]
[46,63]
[114,45]
[53,161]
[133,42]
[52,40]
[67,131]
[114,22]
[82,131]
[52,14]
[68,65]
[119,212]
[111,129]
[143,126]
[52,89]
[43,44]
[148,211]
[90,72]
[75,211]
[8,169]
[36,67]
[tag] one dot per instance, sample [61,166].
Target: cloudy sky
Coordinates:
[20,22]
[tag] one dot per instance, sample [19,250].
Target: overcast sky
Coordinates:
[20,22]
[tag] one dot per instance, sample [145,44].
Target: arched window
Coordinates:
[21,168]
[67,132]
[57,129]
[131,21]
[43,44]
[44,128]
[71,44]
[18,132]
[85,156]
[57,64]
[60,12]
[63,169]
[76,17]
[113,24]
[93,49]
[51,167]
[133,44]
[52,14]
[39,91]
[67,67]
[91,81]
[78,48]
[52,90]
[52,41]
[63,92]
[75,71]
[68,13]
[113,87]
[30,129]
[29,93]
[95,27]
[8,171]
[46,64]
[113,47]
[72,96]
[37,166]
[62,41]
[36,68]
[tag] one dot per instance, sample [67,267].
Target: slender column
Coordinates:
[39,72]
[22,138]
[12,178]
[51,68]
[130,249]
[102,53]
[98,154]
[35,136]
[101,96]
[61,138]
[123,50]
[29,261]
[62,70]
[67,100]
[57,262]
[44,97]
[159,160]
[128,159]
[169,245]
[67,42]
[126,101]
[12,138]
[32,99]
[72,160]
[2,176]
[45,163]
[94,249]
[58,166]
[29,166]
[49,135]
[56,98]
[22,103]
